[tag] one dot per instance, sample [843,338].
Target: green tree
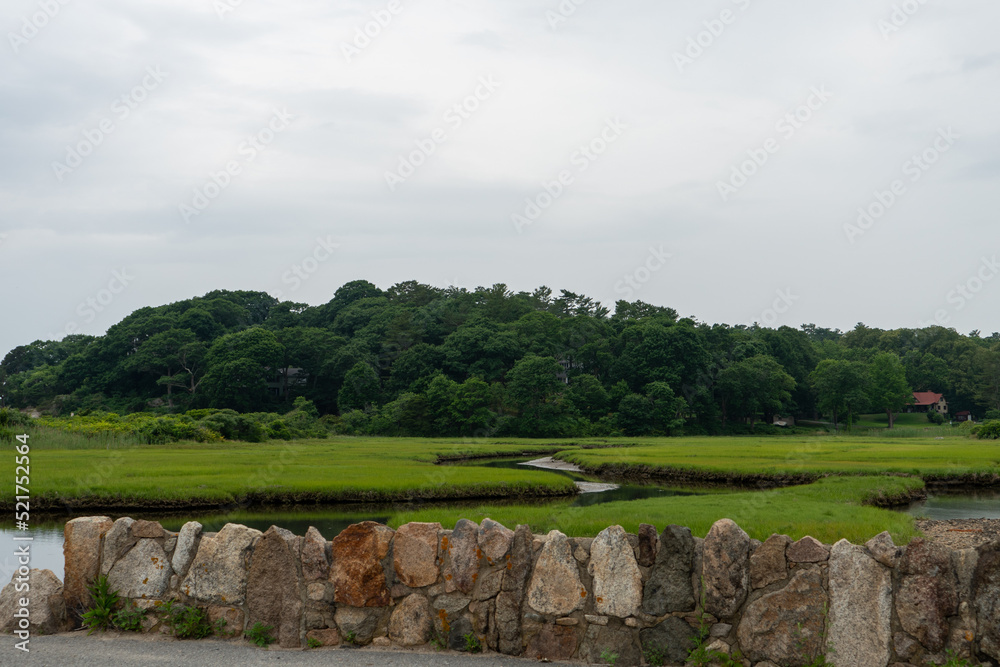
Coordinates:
[988,388]
[536,390]
[240,365]
[633,417]
[665,409]
[165,355]
[589,396]
[888,389]
[840,387]
[361,388]
[471,407]
[756,385]
[441,393]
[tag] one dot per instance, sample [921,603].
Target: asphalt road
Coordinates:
[77,649]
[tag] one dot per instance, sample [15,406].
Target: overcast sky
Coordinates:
[709,156]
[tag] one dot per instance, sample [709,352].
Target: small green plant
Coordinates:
[472,643]
[439,641]
[955,661]
[100,615]
[609,658]
[656,656]
[800,644]
[700,654]
[186,622]
[312,642]
[351,637]
[129,618]
[260,634]
[219,628]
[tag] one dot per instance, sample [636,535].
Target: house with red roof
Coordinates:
[925,401]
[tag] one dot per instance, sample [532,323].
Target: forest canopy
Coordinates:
[419,360]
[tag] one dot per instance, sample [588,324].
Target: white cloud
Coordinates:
[656,185]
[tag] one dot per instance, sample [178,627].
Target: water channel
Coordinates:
[47,530]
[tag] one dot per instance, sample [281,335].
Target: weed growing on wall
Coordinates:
[260,634]
[100,615]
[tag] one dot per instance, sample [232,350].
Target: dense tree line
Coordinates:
[419,360]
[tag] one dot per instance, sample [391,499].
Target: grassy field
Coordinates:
[333,470]
[903,420]
[790,456]
[850,470]
[829,510]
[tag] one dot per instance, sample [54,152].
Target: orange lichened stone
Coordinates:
[447,577]
[146,580]
[475,575]
[583,593]
[510,566]
[599,599]
[444,543]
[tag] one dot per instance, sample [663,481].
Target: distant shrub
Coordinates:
[201,413]
[992,415]
[278,430]
[989,431]
[355,422]
[205,425]
[11,417]
[935,417]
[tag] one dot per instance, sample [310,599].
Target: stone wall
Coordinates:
[549,596]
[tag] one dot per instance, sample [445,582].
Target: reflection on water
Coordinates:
[45,548]
[965,504]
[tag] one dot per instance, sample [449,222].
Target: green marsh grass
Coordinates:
[829,510]
[811,455]
[304,471]
[82,473]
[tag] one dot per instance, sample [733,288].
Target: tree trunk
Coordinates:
[170,389]
[892,417]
